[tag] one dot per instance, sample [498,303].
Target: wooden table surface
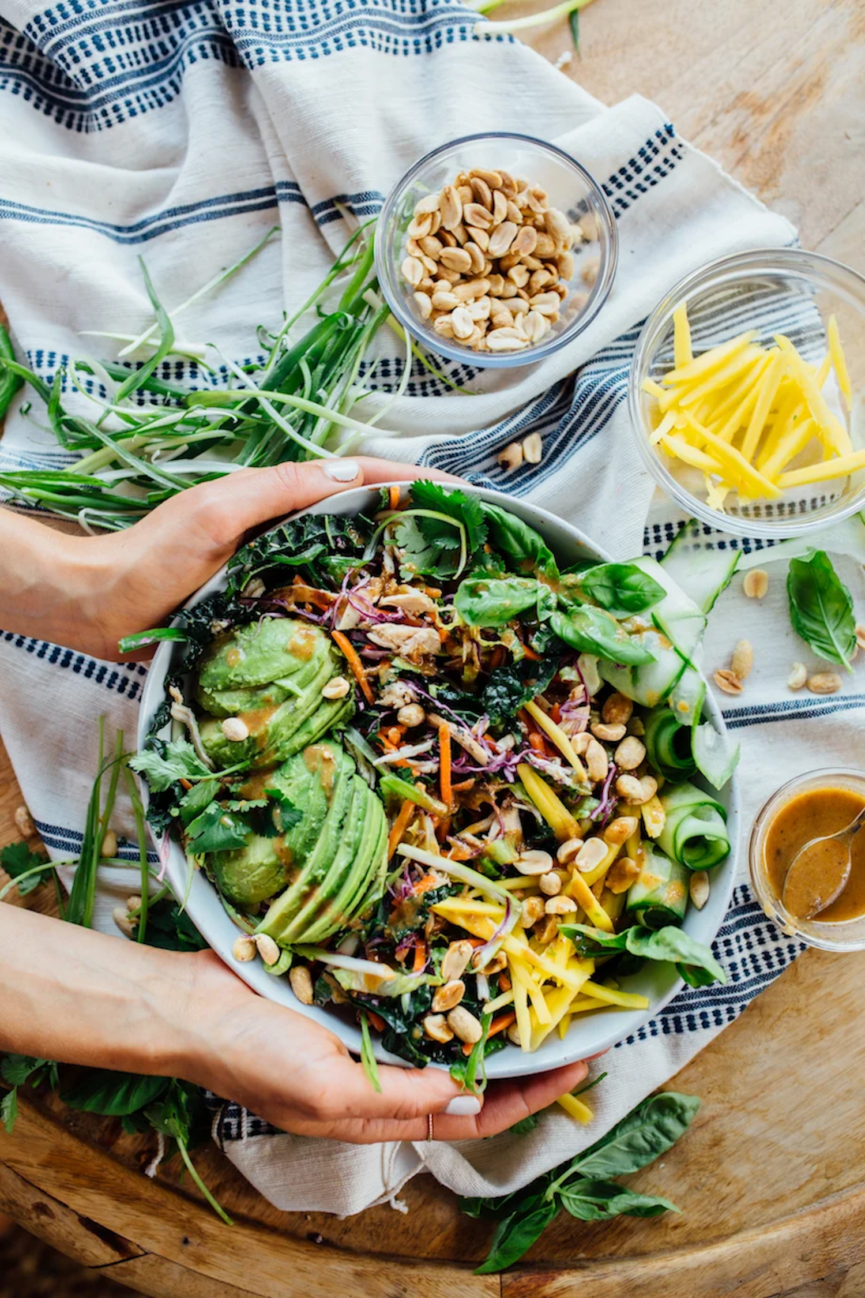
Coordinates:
[772,1174]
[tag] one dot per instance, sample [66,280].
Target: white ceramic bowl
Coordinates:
[588,1034]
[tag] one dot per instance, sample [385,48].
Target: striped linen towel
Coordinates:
[183,130]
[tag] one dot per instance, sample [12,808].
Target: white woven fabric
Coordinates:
[182,131]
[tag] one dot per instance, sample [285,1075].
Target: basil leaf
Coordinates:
[516,1233]
[525,1125]
[484,601]
[621,588]
[592,631]
[589,1200]
[114,1094]
[466,510]
[694,975]
[821,608]
[217,830]
[9,1110]
[15,1069]
[518,542]
[641,1137]
[669,943]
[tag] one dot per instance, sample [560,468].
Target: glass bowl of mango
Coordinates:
[747,393]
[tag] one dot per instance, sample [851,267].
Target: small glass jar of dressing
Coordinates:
[817,905]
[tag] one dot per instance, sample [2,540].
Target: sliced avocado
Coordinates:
[320,914]
[233,699]
[252,873]
[359,883]
[276,733]
[259,653]
[314,869]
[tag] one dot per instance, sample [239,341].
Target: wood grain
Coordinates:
[771,1176]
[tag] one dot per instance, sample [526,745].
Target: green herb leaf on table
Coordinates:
[27,868]
[643,1135]
[523,1127]
[821,608]
[515,1234]
[164,764]
[103,1091]
[589,1200]
[621,588]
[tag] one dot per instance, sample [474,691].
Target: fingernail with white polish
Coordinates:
[341,470]
[464,1106]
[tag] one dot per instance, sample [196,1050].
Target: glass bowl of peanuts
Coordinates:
[496,250]
[747,393]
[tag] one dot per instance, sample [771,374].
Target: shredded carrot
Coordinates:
[445,765]
[423,885]
[530,653]
[463,785]
[505,983]
[393,497]
[556,713]
[419,958]
[395,734]
[536,742]
[442,827]
[185,784]
[376,1020]
[497,1025]
[399,826]
[351,657]
[391,747]
[432,591]
[497,657]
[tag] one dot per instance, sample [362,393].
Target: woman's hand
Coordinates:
[85,998]
[88,592]
[301,1078]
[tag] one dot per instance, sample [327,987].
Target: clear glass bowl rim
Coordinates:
[771,905]
[488,360]
[813,266]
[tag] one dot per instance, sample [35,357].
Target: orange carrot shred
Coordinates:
[530,654]
[399,826]
[393,497]
[445,765]
[505,983]
[419,958]
[556,712]
[376,1020]
[354,662]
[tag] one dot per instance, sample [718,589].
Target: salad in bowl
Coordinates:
[425,766]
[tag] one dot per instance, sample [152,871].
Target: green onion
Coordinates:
[367,1058]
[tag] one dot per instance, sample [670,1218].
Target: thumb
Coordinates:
[251,497]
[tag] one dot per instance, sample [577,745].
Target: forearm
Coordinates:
[50,583]
[80,997]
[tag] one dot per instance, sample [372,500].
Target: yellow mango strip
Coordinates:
[709,362]
[742,392]
[731,418]
[816,401]
[613,903]
[583,1004]
[769,384]
[551,807]
[522,978]
[594,876]
[583,895]
[839,361]
[654,817]
[576,1108]
[558,736]
[821,373]
[789,448]
[679,449]
[653,389]
[667,424]
[611,996]
[524,881]
[792,411]
[468,906]
[478,925]
[556,1005]
[734,462]
[564,1024]
[506,998]
[563,949]
[824,472]
[715,494]
[683,353]
[740,366]
[566,976]
[524,1022]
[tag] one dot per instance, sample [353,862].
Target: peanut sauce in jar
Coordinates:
[816,813]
